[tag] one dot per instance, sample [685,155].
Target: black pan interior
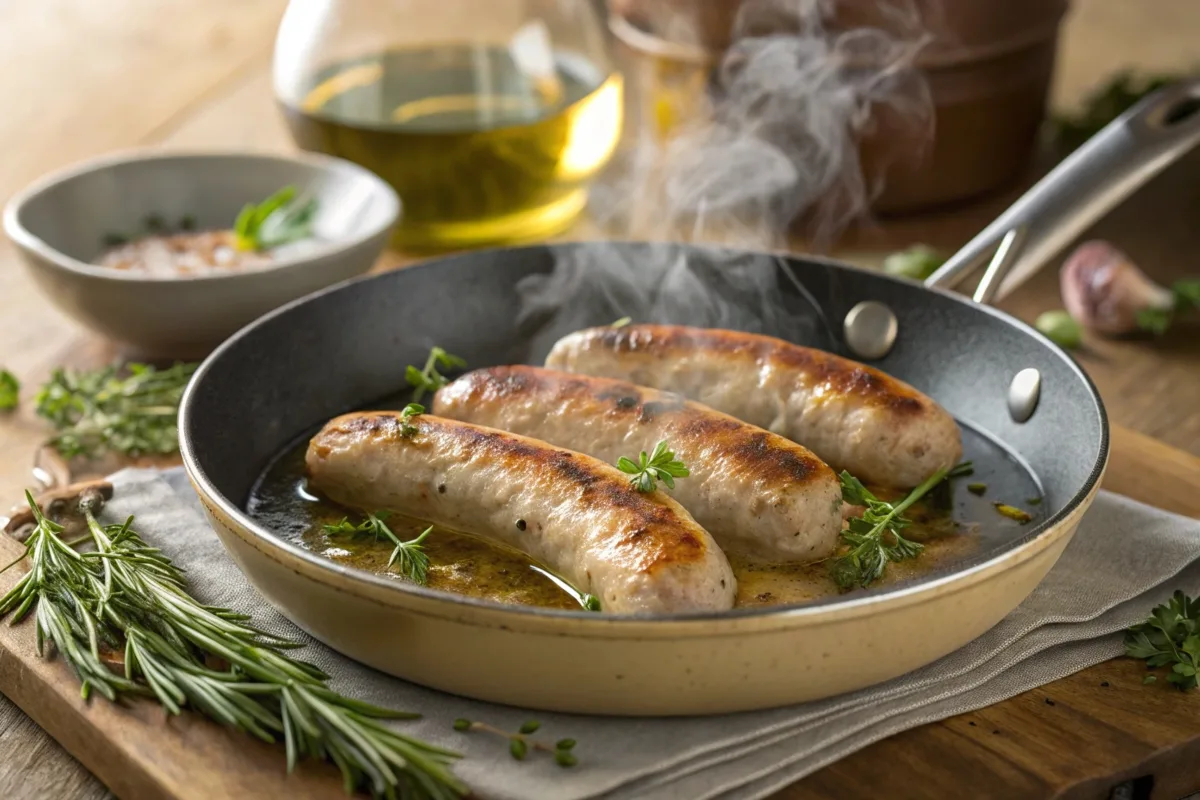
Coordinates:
[347,347]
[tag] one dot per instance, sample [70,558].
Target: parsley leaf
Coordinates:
[874,538]
[1170,637]
[661,465]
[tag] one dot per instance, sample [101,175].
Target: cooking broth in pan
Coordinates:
[953,524]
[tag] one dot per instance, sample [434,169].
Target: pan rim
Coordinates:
[855,603]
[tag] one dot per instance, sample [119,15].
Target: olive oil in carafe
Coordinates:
[478,150]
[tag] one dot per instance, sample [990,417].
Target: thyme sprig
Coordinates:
[429,378]
[409,557]
[127,597]
[874,538]
[519,743]
[131,411]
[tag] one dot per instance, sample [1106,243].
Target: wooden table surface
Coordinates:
[83,78]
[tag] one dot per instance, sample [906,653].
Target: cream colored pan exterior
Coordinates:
[611,666]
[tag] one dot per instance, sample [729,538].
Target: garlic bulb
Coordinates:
[1105,291]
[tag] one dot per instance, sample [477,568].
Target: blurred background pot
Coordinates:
[988,65]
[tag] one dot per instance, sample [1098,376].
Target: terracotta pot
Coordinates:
[988,67]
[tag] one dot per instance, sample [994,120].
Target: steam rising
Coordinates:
[779,148]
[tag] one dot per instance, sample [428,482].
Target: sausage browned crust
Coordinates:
[853,416]
[639,553]
[756,492]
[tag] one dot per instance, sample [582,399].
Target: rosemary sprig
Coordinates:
[128,594]
[520,742]
[874,538]
[105,410]
[429,379]
[10,390]
[409,557]
[276,221]
[661,465]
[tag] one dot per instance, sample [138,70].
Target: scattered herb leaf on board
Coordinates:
[1170,637]
[1186,294]
[917,262]
[661,465]
[874,538]
[10,390]
[1061,328]
[131,411]
[409,557]
[519,743]
[1102,106]
[280,219]
[429,378]
[127,597]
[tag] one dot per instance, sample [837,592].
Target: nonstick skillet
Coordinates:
[1032,423]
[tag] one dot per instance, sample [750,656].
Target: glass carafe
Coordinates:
[489,117]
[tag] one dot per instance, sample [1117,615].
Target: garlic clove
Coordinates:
[1104,291]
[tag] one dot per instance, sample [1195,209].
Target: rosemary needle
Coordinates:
[128,595]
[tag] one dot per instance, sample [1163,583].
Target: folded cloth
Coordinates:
[1125,558]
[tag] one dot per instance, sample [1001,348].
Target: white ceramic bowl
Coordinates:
[61,221]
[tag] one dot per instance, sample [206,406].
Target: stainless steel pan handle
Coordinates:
[1087,184]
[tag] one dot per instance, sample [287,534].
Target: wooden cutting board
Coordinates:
[1076,738]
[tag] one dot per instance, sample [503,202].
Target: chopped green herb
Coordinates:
[622,322]
[1102,106]
[564,744]
[114,239]
[461,724]
[278,220]
[564,758]
[1061,328]
[530,727]
[979,489]
[154,223]
[661,465]
[917,262]
[411,410]
[1034,501]
[187,223]
[429,379]
[1186,294]
[10,390]
[1170,637]
[1013,513]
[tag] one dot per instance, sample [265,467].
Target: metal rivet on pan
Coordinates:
[1023,394]
[870,329]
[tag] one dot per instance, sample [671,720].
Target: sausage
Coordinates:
[756,492]
[853,416]
[639,553]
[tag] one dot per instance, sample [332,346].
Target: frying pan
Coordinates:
[346,348]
